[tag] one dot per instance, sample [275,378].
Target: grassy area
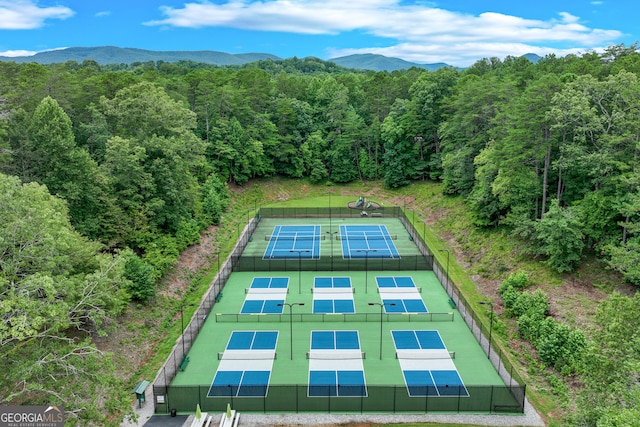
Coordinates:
[478,261]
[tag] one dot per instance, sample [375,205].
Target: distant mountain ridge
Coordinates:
[370,61]
[118,55]
[104,55]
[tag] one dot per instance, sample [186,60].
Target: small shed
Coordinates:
[138,390]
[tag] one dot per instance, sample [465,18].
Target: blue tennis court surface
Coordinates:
[334,340]
[336,383]
[294,241]
[395,282]
[252,340]
[269,282]
[417,340]
[259,306]
[422,383]
[332,282]
[240,384]
[333,306]
[404,306]
[367,241]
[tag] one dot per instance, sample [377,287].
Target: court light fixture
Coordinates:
[300,252]
[366,267]
[290,305]
[382,305]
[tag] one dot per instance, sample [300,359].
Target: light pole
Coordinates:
[330,209]
[381,304]
[447,273]
[300,251]
[182,306]
[489,303]
[366,267]
[290,305]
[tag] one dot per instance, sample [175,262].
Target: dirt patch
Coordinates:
[134,337]
[193,260]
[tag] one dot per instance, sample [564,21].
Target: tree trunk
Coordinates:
[545,181]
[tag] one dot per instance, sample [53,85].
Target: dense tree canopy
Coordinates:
[56,289]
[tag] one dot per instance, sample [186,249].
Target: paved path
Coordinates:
[530,419]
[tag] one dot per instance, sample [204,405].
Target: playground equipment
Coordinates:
[364,205]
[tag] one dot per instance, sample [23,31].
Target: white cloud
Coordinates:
[15,53]
[26,15]
[418,31]
[103,13]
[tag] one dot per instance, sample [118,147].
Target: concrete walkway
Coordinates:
[530,419]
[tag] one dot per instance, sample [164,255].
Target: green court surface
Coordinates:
[286,305]
[471,362]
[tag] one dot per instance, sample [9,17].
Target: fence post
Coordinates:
[491,400]
[395,389]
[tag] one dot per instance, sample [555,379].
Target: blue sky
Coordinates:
[458,32]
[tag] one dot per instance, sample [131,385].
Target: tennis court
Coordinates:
[333,295]
[367,241]
[266,295]
[294,241]
[335,364]
[399,294]
[427,366]
[245,348]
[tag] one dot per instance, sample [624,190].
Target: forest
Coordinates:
[107,173]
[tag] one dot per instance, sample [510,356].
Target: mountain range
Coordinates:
[116,55]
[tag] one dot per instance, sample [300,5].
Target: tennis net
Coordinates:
[398,290]
[296,237]
[367,237]
[336,354]
[425,354]
[266,290]
[247,355]
[329,291]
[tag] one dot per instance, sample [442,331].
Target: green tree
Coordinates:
[154,157]
[46,152]
[398,157]
[611,395]
[215,199]
[141,276]
[57,290]
[559,238]
[469,119]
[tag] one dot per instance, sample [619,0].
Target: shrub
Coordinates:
[215,199]
[529,326]
[141,277]
[517,280]
[187,234]
[531,303]
[562,348]
[162,254]
[509,297]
